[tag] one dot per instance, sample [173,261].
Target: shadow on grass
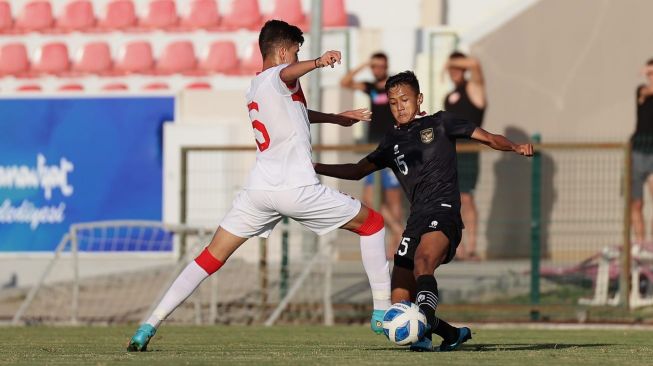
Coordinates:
[496,347]
[500,347]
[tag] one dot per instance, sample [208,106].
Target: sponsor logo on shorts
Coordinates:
[427,135]
[434,224]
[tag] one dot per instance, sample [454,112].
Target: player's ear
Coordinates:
[420,98]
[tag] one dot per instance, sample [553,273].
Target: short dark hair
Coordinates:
[649,62]
[456,54]
[380,55]
[403,78]
[278,33]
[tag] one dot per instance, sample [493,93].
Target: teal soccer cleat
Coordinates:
[141,338]
[464,334]
[377,321]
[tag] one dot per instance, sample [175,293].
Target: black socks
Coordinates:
[427,300]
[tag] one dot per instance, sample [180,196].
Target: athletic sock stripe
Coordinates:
[208,262]
[429,299]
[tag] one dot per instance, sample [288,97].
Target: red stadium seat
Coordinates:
[136,57]
[14,59]
[120,14]
[253,61]
[177,57]
[161,14]
[199,85]
[78,15]
[221,58]
[115,87]
[95,58]
[71,87]
[52,58]
[203,14]
[6,19]
[244,14]
[289,11]
[334,13]
[36,16]
[29,88]
[156,86]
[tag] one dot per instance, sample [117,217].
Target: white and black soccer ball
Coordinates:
[404,323]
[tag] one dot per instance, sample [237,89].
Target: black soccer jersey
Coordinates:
[422,154]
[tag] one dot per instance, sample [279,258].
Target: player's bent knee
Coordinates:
[424,265]
[372,224]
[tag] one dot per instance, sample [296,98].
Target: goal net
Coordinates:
[106,273]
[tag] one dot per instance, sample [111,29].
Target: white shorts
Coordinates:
[317,207]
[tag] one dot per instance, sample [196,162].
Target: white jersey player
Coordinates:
[283,181]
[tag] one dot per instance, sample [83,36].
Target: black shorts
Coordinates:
[448,221]
[468,167]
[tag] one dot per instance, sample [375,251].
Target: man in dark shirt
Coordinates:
[421,150]
[382,122]
[642,156]
[467,101]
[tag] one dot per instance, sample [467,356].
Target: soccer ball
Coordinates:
[404,323]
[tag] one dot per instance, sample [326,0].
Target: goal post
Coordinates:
[105,272]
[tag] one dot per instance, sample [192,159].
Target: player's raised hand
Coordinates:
[362,114]
[329,58]
[524,149]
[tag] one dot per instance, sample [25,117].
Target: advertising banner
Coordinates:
[64,161]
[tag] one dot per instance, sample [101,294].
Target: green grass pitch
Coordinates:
[311,345]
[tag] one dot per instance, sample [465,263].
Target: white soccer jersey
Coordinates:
[282,132]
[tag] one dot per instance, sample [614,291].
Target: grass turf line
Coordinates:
[302,345]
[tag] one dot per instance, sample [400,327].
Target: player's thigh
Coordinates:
[403,285]
[320,208]
[251,215]
[432,251]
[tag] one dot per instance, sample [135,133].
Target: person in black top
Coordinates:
[382,122]
[421,151]
[467,101]
[642,155]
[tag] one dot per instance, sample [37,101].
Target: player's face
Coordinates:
[404,103]
[379,68]
[457,75]
[649,76]
[290,55]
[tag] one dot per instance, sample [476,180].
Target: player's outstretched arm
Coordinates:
[500,142]
[346,118]
[348,82]
[294,71]
[346,171]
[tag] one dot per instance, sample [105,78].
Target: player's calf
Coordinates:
[372,241]
[183,286]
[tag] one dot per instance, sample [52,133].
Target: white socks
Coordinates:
[184,285]
[377,268]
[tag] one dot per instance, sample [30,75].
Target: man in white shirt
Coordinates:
[283,181]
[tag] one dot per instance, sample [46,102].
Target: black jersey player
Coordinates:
[421,151]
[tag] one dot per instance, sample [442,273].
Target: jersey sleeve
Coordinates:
[377,157]
[457,127]
[279,85]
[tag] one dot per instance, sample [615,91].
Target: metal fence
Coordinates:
[548,227]
[553,237]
